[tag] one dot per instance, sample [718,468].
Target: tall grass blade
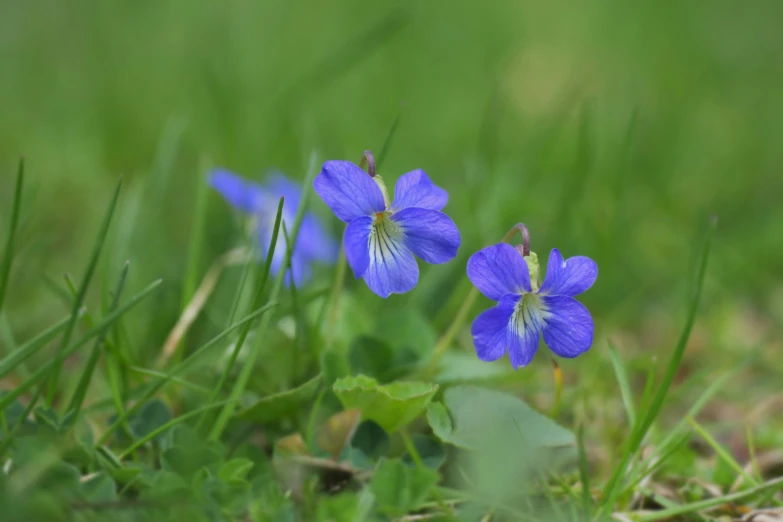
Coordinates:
[613,486]
[8,255]
[80,393]
[181,367]
[625,387]
[11,361]
[387,142]
[261,278]
[46,368]
[244,376]
[77,303]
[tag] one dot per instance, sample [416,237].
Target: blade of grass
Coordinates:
[11,361]
[262,278]
[622,381]
[244,376]
[20,422]
[196,241]
[389,135]
[45,368]
[663,514]
[84,382]
[584,474]
[674,438]
[160,375]
[8,255]
[640,430]
[722,453]
[300,340]
[152,390]
[173,422]
[77,304]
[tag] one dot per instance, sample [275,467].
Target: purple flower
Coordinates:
[381,237]
[260,201]
[524,311]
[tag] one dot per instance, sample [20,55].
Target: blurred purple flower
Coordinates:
[382,237]
[260,202]
[524,311]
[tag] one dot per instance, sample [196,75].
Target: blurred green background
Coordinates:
[612,129]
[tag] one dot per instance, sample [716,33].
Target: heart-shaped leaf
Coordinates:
[391,405]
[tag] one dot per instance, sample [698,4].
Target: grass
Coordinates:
[172,378]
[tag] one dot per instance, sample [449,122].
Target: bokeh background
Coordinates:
[612,129]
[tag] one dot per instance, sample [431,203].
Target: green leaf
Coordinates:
[186,462]
[392,405]
[371,439]
[235,470]
[281,405]
[338,508]
[461,367]
[100,488]
[431,451]
[482,417]
[150,417]
[372,357]
[399,489]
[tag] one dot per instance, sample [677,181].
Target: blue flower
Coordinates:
[382,237]
[260,202]
[524,311]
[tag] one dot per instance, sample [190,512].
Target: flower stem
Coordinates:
[334,300]
[558,375]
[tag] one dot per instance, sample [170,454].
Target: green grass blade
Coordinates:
[77,304]
[80,393]
[625,387]
[722,453]
[44,370]
[244,376]
[20,422]
[261,278]
[160,375]
[664,514]
[11,361]
[195,243]
[154,433]
[8,256]
[181,367]
[387,142]
[584,474]
[637,435]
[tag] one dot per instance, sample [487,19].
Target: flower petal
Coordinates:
[490,329]
[568,277]
[415,189]
[356,242]
[568,326]
[348,190]
[499,270]
[392,268]
[240,193]
[430,234]
[524,332]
